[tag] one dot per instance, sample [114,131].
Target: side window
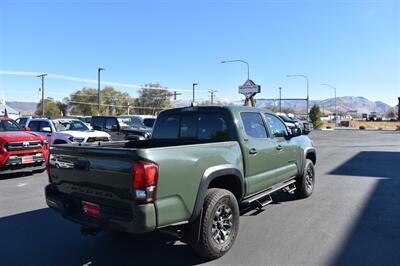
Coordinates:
[254,125]
[213,127]
[276,126]
[97,122]
[166,127]
[111,123]
[34,126]
[44,124]
[188,128]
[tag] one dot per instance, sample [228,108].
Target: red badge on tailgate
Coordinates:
[91,209]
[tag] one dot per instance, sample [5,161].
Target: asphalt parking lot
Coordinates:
[353,218]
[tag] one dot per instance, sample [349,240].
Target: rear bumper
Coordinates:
[138,219]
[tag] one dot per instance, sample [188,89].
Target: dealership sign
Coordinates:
[249,88]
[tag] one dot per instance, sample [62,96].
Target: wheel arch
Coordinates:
[218,177]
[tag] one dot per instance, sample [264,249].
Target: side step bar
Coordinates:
[264,198]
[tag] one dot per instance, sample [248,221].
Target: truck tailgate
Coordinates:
[99,175]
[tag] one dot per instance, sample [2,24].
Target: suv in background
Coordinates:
[21,151]
[121,127]
[65,130]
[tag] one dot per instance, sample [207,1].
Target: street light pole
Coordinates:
[194,85]
[98,89]
[41,76]
[308,90]
[212,95]
[330,86]
[242,61]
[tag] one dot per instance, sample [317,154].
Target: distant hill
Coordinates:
[26,108]
[344,104]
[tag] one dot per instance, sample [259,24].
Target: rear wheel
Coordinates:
[219,226]
[305,183]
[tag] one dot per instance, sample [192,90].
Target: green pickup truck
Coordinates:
[202,167]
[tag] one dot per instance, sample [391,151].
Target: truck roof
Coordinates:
[230,108]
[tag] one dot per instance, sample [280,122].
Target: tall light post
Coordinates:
[241,61]
[330,86]
[308,91]
[41,76]
[98,89]
[212,92]
[194,86]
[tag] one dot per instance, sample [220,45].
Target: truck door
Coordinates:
[262,160]
[287,152]
[49,135]
[37,127]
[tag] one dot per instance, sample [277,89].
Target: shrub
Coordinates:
[362,127]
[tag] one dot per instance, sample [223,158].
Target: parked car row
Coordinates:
[292,122]
[25,142]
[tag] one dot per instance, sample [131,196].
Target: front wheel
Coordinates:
[219,226]
[305,183]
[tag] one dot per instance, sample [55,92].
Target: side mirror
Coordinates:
[96,127]
[295,132]
[27,128]
[46,129]
[115,127]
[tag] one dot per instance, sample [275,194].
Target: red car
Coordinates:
[20,150]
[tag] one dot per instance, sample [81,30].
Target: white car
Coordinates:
[64,130]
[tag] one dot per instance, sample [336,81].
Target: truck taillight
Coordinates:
[145,175]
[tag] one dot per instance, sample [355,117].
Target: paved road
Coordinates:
[353,218]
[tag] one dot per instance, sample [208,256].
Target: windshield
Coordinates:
[66,125]
[9,125]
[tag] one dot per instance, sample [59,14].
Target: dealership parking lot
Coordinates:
[353,218]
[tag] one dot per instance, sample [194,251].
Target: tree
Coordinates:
[153,98]
[391,113]
[113,102]
[51,107]
[315,116]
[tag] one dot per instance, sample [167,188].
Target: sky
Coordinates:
[351,45]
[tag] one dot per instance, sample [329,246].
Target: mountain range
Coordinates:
[344,104]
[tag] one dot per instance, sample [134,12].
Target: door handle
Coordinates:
[49,135]
[279,147]
[253,151]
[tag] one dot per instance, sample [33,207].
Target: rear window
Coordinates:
[192,126]
[167,127]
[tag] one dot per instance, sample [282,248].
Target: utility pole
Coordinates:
[212,95]
[194,85]
[98,89]
[280,100]
[41,76]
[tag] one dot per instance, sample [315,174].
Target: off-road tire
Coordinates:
[204,242]
[305,183]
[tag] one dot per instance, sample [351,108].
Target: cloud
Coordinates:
[84,80]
